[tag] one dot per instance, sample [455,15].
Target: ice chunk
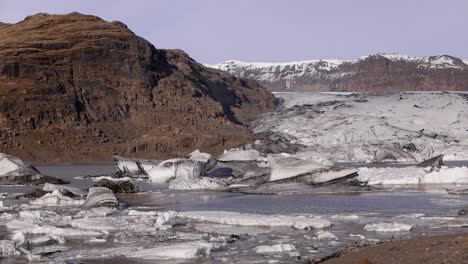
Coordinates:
[9,163]
[305,171]
[413,175]
[56,198]
[187,250]
[325,235]
[278,248]
[143,213]
[234,218]
[388,227]
[203,157]
[239,155]
[173,168]
[100,196]
[49,187]
[286,167]
[165,217]
[29,228]
[7,248]
[126,165]
[191,183]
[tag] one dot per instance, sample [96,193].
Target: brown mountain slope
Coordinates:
[77,88]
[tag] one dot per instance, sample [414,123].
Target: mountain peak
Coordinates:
[375,72]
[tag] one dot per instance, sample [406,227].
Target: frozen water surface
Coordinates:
[119,236]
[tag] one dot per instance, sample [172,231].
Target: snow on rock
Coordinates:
[413,175]
[7,248]
[278,248]
[239,155]
[325,235]
[343,127]
[56,198]
[388,227]
[186,250]
[234,218]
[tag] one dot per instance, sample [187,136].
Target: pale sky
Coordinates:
[213,31]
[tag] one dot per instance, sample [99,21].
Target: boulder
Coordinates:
[117,186]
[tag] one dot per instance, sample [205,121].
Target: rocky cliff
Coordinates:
[77,88]
[374,73]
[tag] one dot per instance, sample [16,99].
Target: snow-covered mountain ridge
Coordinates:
[370,73]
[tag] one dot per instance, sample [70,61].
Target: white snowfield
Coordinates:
[388,227]
[374,127]
[413,175]
[233,218]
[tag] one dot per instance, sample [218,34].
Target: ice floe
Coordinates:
[186,250]
[388,227]
[234,218]
[325,235]
[278,248]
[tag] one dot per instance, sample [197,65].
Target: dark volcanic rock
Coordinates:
[76,87]
[117,186]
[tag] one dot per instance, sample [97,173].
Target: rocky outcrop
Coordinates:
[374,73]
[76,87]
